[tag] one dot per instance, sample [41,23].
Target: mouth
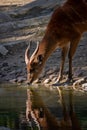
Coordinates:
[29,82]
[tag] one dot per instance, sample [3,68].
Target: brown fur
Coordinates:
[64,30]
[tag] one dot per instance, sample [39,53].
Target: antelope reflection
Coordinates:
[45,120]
[69,116]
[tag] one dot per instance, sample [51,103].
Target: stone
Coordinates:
[84,85]
[3,50]
[13,80]
[85,89]
[37,81]
[21,79]
[79,82]
[52,76]
[47,81]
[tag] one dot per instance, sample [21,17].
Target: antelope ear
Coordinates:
[40,58]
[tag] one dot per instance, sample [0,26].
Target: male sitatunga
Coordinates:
[64,30]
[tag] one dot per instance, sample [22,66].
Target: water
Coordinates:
[77,100]
[13,105]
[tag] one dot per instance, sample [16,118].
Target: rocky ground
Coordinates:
[25,21]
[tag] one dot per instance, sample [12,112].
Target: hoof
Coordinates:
[68,82]
[28,83]
[57,83]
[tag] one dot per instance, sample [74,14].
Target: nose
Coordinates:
[29,80]
[28,83]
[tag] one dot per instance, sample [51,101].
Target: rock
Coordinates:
[37,81]
[85,89]
[54,79]
[53,76]
[21,79]
[13,80]
[47,81]
[84,85]
[3,50]
[79,82]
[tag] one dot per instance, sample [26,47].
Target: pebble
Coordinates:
[13,80]
[37,81]
[85,89]
[21,79]
[84,85]
[47,81]
[53,78]
[79,82]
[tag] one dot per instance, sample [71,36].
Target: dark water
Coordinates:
[13,105]
[78,100]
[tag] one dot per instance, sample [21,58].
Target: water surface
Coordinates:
[13,104]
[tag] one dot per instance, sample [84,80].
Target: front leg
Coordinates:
[63,56]
[72,51]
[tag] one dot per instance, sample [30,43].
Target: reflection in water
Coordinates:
[9,119]
[45,120]
[12,103]
[69,116]
[22,109]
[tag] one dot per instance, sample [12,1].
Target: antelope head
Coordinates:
[34,64]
